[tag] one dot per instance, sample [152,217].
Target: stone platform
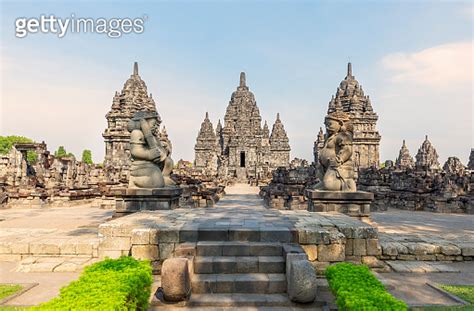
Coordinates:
[355,204]
[155,235]
[147,199]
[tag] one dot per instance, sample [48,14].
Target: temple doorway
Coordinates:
[242,159]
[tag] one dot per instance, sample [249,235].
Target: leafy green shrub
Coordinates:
[356,288]
[112,284]
[7,142]
[87,156]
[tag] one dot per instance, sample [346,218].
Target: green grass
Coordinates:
[9,289]
[465,292]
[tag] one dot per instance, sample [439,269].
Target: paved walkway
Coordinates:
[454,227]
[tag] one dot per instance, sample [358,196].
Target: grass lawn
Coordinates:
[465,292]
[9,289]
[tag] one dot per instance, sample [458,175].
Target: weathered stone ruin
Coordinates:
[422,185]
[50,180]
[53,181]
[366,140]
[242,149]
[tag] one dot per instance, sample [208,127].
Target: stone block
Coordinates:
[84,248]
[311,251]
[67,248]
[185,249]
[359,247]
[349,247]
[331,252]
[175,279]
[44,249]
[373,247]
[373,262]
[422,248]
[406,257]
[115,243]
[164,236]
[301,282]
[430,257]
[149,252]
[166,250]
[450,250]
[140,236]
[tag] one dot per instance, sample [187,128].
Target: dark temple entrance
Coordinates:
[242,159]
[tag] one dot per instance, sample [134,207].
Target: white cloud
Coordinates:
[442,66]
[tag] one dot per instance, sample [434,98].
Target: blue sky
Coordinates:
[414,58]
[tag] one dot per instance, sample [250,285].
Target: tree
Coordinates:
[61,152]
[87,157]
[7,142]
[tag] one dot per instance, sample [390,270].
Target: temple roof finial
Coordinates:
[207,115]
[135,69]
[349,69]
[404,143]
[426,137]
[242,79]
[278,116]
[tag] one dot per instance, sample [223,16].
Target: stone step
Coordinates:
[247,234]
[256,283]
[239,264]
[239,300]
[261,302]
[208,248]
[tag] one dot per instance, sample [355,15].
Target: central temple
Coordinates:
[242,149]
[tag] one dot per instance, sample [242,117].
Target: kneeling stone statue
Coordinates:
[335,167]
[151,161]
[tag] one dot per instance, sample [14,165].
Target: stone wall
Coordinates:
[419,190]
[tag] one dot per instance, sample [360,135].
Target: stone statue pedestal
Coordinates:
[147,200]
[354,204]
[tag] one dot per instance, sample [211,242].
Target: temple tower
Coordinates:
[350,98]
[427,157]
[244,150]
[279,145]
[404,160]
[206,148]
[133,97]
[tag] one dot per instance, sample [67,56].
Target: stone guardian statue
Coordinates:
[335,168]
[149,157]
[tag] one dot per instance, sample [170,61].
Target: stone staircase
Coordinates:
[230,274]
[239,274]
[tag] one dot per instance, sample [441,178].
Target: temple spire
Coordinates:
[349,69]
[242,79]
[135,69]
[207,115]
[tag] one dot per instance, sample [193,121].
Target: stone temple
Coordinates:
[350,98]
[242,148]
[133,97]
